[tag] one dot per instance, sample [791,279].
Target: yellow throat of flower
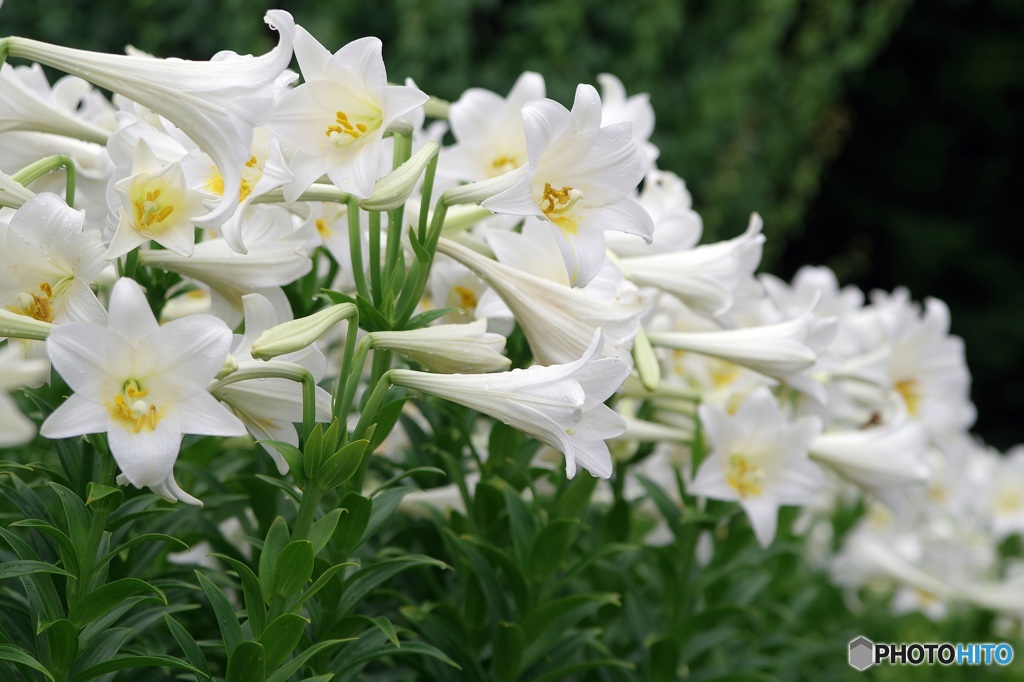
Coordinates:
[911,392]
[557,205]
[743,476]
[130,409]
[347,129]
[153,202]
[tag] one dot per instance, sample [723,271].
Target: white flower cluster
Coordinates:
[241,177]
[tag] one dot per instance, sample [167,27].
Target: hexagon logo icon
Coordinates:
[862,653]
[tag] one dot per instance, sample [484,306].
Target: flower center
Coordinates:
[37,306]
[503,164]
[557,205]
[910,389]
[463,298]
[346,130]
[1009,500]
[743,476]
[150,211]
[322,229]
[130,409]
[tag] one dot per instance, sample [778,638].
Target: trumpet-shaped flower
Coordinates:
[156,204]
[705,278]
[216,103]
[27,102]
[758,459]
[488,130]
[556,319]
[48,263]
[336,119]
[560,405]
[143,385]
[580,180]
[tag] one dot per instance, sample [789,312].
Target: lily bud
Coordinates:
[15,326]
[478,192]
[13,193]
[448,348]
[393,189]
[295,335]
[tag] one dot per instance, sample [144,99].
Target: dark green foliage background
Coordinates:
[916,103]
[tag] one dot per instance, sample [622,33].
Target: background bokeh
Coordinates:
[880,137]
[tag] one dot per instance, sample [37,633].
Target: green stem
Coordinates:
[376,286]
[428,189]
[308,508]
[414,290]
[97,525]
[131,263]
[38,169]
[355,245]
[349,379]
[373,405]
[315,192]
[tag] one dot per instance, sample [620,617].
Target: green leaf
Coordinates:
[16,569]
[508,652]
[546,625]
[43,598]
[62,638]
[293,666]
[288,490]
[321,532]
[293,567]
[141,539]
[520,519]
[252,593]
[386,418]
[352,526]
[321,582]
[342,465]
[384,505]
[425,318]
[313,452]
[78,520]
[277,538]
[68,553]
[337,296]
[370,318]
[551,546]
[227,621]
[291,454]
[281,637]
[132,662]
[22,657]
[99,602]
[247,663]
[576,498]
[188,645]
[570,671]
[103,497]
[365,580]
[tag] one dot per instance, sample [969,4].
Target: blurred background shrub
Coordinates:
[881,137]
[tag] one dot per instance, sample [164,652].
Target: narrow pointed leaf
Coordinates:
[281,637]
[247,663]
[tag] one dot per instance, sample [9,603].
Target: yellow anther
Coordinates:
[322,228]
[131,411]
[556,204]
[465,298]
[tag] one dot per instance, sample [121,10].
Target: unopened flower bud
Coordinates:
[289,337]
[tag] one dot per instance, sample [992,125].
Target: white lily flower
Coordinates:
[48,263]
[580,180]
[758,459]
[616,107]
[335,121]
[676,225]
[560,405]
[783,351]
[705,278]
[448,348]
[27,102]
[488,131]
[556,319]
[1006,499]
[16,372]
[216,103]
[156,204]
[143,385]
[884,460]
[269,406]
